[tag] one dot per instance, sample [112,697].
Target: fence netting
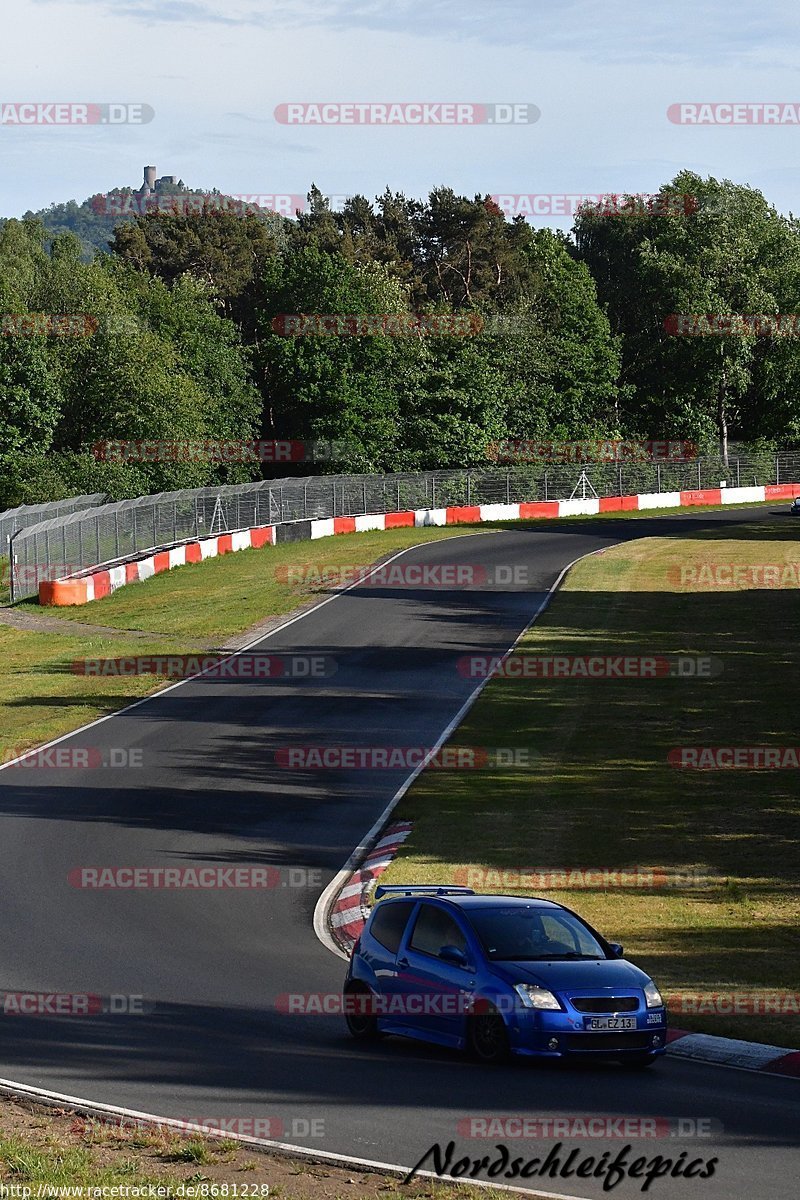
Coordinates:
[67,544]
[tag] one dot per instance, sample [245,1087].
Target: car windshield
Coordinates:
[531,934]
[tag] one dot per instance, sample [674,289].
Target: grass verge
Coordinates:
[226,595]
[600,794]
[44,1146]
[40,696]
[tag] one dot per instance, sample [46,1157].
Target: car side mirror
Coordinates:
[452,954]
[617,950]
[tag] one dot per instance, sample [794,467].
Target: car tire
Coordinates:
[637,1062]
[362,1028]
[487,1038]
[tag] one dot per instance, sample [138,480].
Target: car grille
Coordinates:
[608,1041]
[604,1004]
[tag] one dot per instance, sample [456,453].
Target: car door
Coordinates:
[379,949]
[435,992]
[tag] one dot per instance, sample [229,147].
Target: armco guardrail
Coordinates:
[14,519]
[111,533]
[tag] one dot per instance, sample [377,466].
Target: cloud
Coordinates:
[683,32]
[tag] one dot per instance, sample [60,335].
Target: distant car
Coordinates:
[795,509]
[498,975]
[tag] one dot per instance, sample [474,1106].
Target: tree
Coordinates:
[730,253]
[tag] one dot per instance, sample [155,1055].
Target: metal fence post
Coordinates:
[738,476]
[80,542]
[699,484]
[545,485]
[364,490]
[469,489]
[281,505]
[619,480]
[97,539]
[658,476]
[508,487]
[11,571]
[305,500]
[174,520]
[398,497]
[777,469]
[433,491]
[116,534]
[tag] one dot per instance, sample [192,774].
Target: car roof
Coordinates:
[467,902]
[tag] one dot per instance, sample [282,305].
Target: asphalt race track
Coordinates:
[212,963]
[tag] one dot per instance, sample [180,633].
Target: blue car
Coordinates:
[498,976]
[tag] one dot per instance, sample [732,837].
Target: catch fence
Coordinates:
[67,545]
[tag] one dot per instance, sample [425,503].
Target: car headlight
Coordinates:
[536,997]
[653,996]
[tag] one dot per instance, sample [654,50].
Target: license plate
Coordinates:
[612,1023]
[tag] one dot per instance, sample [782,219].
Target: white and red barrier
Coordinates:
[64,592]
[84,588]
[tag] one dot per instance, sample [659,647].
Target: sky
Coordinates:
[602,76]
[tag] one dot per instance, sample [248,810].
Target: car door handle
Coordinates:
[402,962]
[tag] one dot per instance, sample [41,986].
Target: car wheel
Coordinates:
[487,1037]
[637,1062]
[362,1026]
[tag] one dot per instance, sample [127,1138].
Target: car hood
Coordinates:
[581,975]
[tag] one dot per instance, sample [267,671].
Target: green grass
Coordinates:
[224,596]
[40,696]
[54,1154]
[601,794]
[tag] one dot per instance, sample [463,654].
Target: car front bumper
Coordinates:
[568,1034]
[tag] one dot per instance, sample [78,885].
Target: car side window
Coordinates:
[435,928]
[389,922]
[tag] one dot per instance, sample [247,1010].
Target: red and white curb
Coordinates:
[351,907]
[730,1052]
[93,586]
